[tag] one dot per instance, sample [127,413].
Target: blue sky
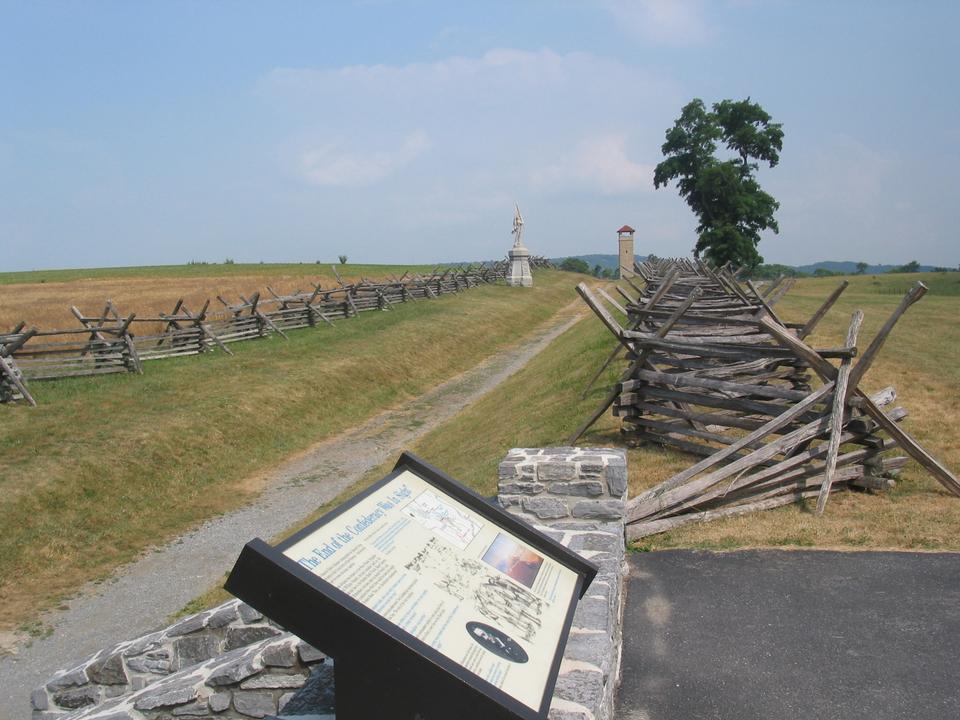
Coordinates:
[159,132]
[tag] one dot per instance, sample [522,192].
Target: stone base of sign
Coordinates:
[577,496]
[230,662]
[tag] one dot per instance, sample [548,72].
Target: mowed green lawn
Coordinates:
[106,467]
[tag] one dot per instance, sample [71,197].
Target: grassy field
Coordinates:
[106,467]
[43,297]
[541,405]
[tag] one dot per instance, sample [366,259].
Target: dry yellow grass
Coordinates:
[920,360]
[47,305]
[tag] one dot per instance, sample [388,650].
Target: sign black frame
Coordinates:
[380,669]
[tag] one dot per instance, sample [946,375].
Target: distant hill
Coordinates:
[848,267]
[611,262]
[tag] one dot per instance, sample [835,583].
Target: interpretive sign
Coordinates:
[431,600]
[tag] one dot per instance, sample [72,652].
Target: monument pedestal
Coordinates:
[519,267]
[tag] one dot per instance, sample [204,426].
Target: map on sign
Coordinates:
[450,577]
[446,520]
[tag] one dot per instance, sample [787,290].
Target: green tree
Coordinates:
[911,267]
[861,268]
[731,208]
[575,265]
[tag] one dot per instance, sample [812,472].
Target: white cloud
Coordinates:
[601,164]
[501,120]
[508,125]
[667,22]
[332,166]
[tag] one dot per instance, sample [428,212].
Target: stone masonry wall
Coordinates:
[229,661]
[576,496]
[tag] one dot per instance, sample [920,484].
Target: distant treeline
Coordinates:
[774,270]
[605,266]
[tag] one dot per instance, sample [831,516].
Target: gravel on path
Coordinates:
[140,597]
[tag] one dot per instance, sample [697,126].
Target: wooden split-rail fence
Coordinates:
[713,371]
[115,342]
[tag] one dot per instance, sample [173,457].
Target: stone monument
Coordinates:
[625,240]
[519,273]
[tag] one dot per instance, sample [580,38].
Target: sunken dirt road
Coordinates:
[141,597]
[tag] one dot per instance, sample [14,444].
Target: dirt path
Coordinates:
[140,597]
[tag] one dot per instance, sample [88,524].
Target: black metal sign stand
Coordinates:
[380,670]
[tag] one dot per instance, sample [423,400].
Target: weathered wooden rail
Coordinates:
[714,372]
[113,342]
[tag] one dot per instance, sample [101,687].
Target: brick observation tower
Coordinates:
[625,239]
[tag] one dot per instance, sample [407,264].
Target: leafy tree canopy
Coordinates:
[730,206]
[571,264]
[911,267]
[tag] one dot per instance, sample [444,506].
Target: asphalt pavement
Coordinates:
[791,634]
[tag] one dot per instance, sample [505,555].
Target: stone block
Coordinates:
[115,691]
[238,637]
[593,613]
[194,709]
[616,480]
[219,702]
[284,699]
[557,714]
[280,655]
[195,649]
[156,663]
[591,469]
[165,697]
[74,698]
[189,625]
[522,488]
[107,670]
[144,644]
[553,471]
[223,615]
[273,681]
[254,704]
[595,541]
[559,450]
[599,509]
[39,700]
[68,678]
[233,672]
[545,508]
[248,614]
[309,654]
[507,470]
[507,501]
[584,687]
[593,648]
[582,488]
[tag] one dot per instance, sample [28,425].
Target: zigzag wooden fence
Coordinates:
[713,371]
[113,342]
